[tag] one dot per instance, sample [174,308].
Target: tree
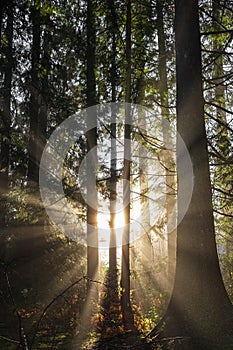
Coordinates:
[33,146]
[125,259]
[44,93]
[5,109]
[141,30]
[221,145]
[91,135]
[113,170]
[166,155]
[69,55]
[199,308]
[39,86]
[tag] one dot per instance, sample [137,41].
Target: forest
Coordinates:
[116,174]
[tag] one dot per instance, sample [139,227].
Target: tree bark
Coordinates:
[223,143]
[166,158]
[44,93]
[6,115]
[146,246]
[91,135]
[113,180]
[222,132]
[125,259]
[33,146]
[199,308]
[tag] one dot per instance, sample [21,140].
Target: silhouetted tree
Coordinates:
[199,308]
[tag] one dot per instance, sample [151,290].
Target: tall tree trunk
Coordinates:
[33,146]
[34,236]
[6,115]
[166,158]
[44,93]
[145,240]
[146,247]
[199,308]
[92,233]
[221,172]
[218,73]
[125,259]
[113,180]
[142,251]
[91,298]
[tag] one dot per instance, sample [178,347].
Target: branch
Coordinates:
[219,156]
[60,296]
[223,214]
[218,106]
[218,32]
[219,121]
[216,20]
[110,133]
[9,340]
[222,191]
[220,52]
[50,304]
[210,62]
[224,237]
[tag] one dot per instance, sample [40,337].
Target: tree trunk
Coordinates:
[199,308]
[146,247]
[92,234]
[45,91]
[92,294]
[218,73]
[113,180]
[125,259]
[221,172]
[6,115]
[167,157]
[33,146]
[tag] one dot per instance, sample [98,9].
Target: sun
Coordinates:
[103,220]
[104,229]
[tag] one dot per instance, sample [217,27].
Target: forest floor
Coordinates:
[130,343]
[131,340]
[125,340]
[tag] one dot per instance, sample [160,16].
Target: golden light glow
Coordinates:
[103,220]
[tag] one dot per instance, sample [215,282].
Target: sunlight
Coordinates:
[103,220]
[104,235]
[104,229]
